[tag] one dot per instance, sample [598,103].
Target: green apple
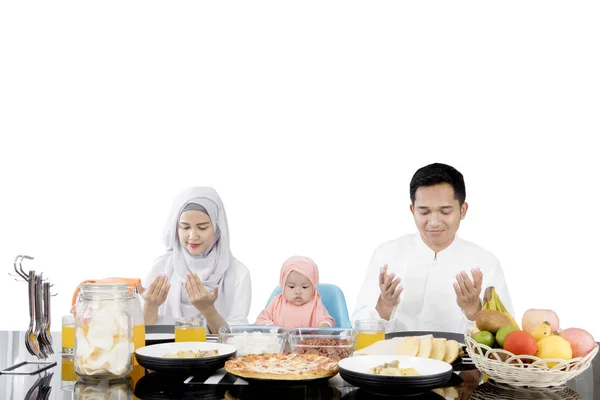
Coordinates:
[484,337]
[502,332]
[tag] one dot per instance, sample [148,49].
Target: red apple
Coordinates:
[581,341]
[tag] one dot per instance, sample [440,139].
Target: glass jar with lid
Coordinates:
[135,307]
[103,331]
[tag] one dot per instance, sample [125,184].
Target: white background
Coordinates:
[309,118]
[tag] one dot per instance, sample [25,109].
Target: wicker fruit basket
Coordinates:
[531,371]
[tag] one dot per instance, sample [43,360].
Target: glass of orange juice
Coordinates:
[369,332]
[190,329]
[68,334]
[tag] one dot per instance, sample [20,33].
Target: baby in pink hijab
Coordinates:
[299,305]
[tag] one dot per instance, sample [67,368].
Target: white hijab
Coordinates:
[211,265]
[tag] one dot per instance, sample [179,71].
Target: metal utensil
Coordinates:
[31,342]
[47,335]
[39,328]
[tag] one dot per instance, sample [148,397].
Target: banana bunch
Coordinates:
[491,301]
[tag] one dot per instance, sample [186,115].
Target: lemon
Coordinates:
[554,347]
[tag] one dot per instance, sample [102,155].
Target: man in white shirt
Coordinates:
[436,293]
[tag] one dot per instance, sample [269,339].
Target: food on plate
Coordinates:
[491,301]
[333,348]
[281,366]
[255,343]
[582,342]
[520,343]
[436,348]
[439,349]
[386,346]
[503,332]
[452,351]
[426,346]
[193,354]
[553,346]
[393,368]
[491,321]
[533,317]
[422,346]
[410,347]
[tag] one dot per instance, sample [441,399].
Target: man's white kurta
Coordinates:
[428,301]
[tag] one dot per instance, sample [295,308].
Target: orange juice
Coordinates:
[139,339]
[68,337]
[365,339]
[190,334]
[67,371]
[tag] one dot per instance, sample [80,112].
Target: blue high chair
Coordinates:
[333,300]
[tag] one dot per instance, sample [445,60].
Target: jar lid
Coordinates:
[105,290]
[105,287]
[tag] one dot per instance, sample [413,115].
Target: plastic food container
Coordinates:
[254,339]
[335,343]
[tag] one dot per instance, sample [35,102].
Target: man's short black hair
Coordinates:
[434,174]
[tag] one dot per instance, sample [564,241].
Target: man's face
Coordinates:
[437,215]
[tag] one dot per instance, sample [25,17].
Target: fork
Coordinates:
[39,317]
[31,342]
[46,334]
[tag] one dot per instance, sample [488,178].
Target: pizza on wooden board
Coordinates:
[282,366]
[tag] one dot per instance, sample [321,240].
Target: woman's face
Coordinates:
[195,231]
[298,289]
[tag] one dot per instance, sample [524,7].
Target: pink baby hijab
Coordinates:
[283,313]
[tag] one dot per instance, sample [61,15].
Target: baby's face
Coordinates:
[298,289]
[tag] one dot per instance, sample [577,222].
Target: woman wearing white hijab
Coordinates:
[198,274]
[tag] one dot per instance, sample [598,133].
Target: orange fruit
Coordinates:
[520,343]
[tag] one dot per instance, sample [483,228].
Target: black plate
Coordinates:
[360,394]
[415,381]
[182,366]
[460,364]
[397,388]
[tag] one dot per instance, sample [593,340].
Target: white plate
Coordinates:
[159,350]
[425,366]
